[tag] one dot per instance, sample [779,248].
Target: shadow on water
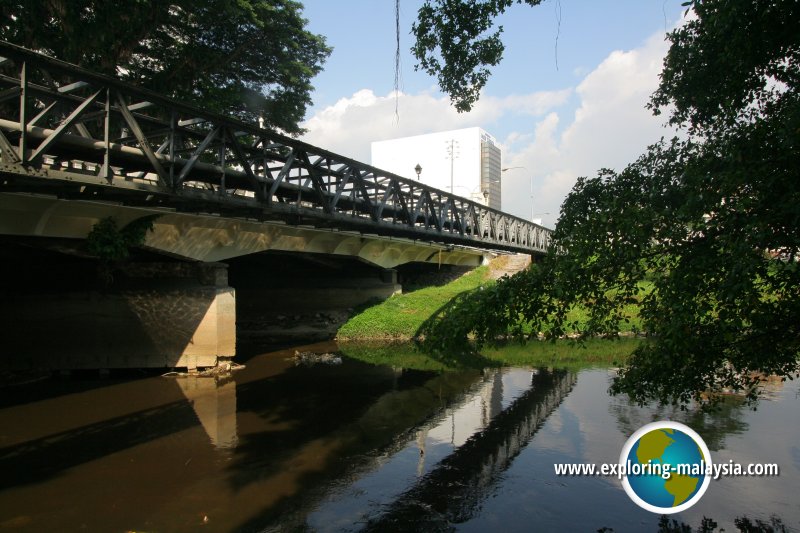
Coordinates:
[106,458]
[84,421]
[20,387]
[37,460]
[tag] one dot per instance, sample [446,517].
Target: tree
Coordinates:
[452,44]
[249,58]
[709,223]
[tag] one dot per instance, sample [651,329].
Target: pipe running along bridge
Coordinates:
[74,135]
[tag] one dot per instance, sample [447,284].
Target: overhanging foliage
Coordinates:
[712,220]
[250,58]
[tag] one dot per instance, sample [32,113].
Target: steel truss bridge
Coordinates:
[75,134]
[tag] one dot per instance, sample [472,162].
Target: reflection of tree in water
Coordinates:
[713,426]
[453,491]
[707,525]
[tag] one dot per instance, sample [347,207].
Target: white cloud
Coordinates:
[610,126]
[349,126]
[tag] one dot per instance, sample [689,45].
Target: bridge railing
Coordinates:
[78,134]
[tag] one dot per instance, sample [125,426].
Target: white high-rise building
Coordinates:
[465,161]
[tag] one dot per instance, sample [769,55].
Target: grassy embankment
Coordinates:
[401,316]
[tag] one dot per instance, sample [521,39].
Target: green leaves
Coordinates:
[729,59]
[454,43]
[110,243]
[249,58]
[712,223]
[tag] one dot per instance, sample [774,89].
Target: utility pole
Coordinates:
[452,146]
[531,197]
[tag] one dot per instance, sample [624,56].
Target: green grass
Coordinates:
[630,311]
[364,336]
[401,316]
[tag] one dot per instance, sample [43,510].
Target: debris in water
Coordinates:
[311,358]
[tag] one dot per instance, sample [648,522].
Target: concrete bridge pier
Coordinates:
[156,315]
[186,310]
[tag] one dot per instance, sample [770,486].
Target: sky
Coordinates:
[567,99]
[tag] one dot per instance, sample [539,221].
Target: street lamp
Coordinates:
[418,170]
[531,180]
[486,192]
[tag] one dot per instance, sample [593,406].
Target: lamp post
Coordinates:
[486,192]
[418,170]
[531,182]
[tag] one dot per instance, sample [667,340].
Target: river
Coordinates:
[352,446]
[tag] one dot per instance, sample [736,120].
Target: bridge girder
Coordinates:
[212,238]
[75,134]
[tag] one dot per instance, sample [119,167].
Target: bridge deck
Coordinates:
[79,135]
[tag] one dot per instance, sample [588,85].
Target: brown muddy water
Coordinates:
[352,446]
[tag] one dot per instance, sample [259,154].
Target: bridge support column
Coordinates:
[214,335]
[156,315]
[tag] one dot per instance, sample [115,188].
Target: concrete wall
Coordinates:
[133,329]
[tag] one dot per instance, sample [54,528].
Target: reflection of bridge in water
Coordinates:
[276,446]
[465,448]
[453,490]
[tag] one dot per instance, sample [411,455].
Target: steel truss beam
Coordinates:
[71,132]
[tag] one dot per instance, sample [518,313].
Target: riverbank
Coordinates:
[401,317]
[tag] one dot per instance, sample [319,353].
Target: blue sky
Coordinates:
[560,114]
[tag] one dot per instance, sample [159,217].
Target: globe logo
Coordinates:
[666,467]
